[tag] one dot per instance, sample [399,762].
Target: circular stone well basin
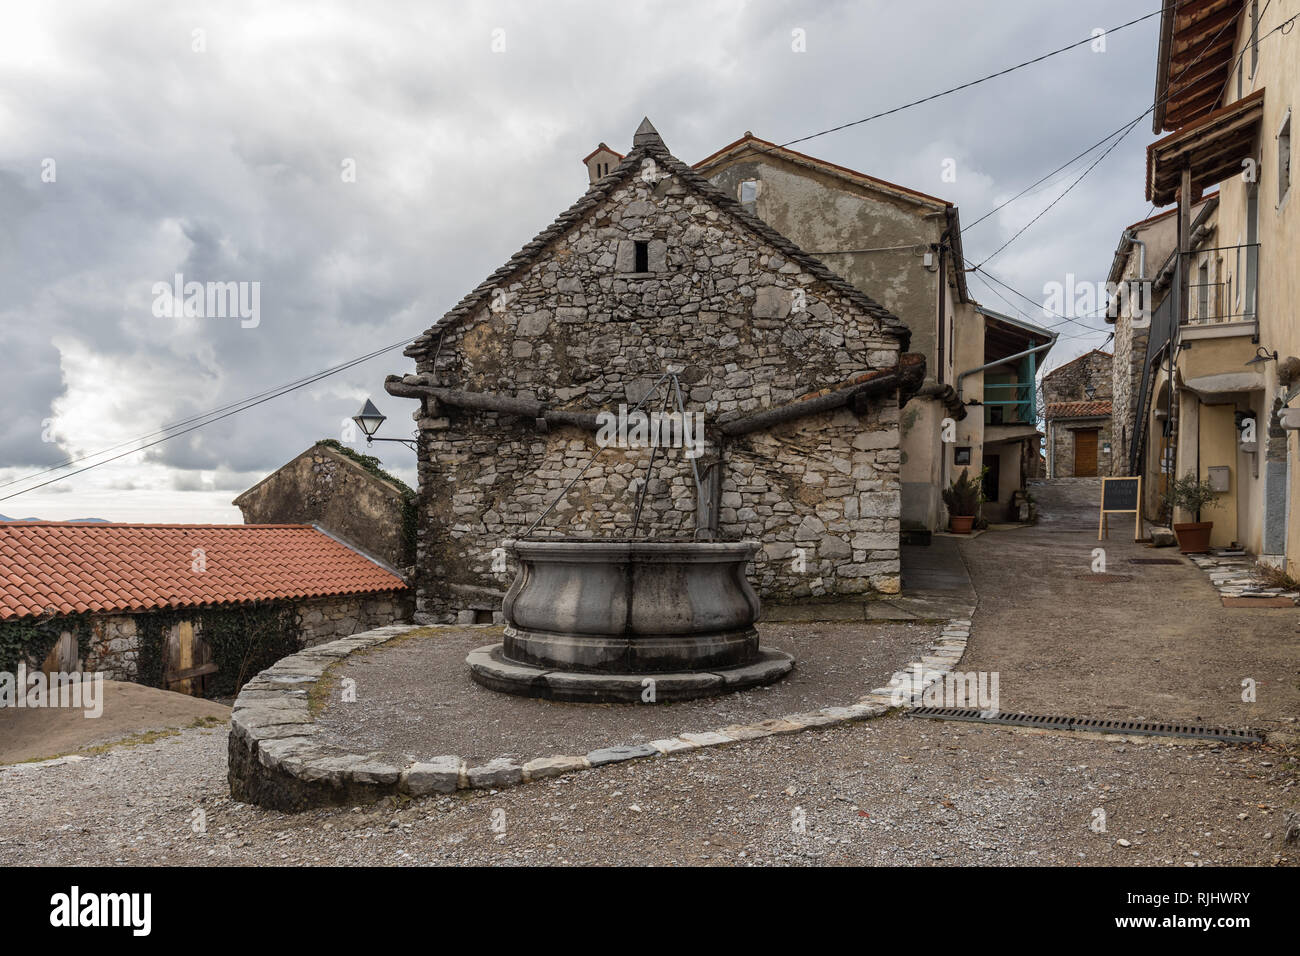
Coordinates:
[628,609]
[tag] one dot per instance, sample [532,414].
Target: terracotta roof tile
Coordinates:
[1094,409]
[77,567]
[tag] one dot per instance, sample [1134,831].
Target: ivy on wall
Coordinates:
[32,639]
[243,639]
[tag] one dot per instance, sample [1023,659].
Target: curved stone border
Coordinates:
[277,762]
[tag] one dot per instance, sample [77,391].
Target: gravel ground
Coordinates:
[894,791]
[1158,646]
[415,698]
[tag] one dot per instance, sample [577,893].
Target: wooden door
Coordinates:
[187,660]
[62,657]
[1085,454]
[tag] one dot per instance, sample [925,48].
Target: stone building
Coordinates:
[192,608]
[342,492]
[798,374]
[901,246]
[1077,410]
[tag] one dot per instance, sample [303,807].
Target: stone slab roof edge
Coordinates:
[600,191]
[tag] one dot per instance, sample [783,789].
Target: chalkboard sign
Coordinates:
[1121,496]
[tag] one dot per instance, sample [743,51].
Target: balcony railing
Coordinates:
[1223,285]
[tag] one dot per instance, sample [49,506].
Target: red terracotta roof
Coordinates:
[66,568]
[1094,409]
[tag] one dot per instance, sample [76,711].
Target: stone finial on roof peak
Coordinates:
[647,135]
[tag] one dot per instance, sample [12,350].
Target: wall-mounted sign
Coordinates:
[1120,496]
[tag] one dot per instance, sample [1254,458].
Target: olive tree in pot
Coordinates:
[1191,494]
[963,498]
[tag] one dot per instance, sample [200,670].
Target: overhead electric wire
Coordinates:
[1046,209]
[1127,128]
[231,410]
[184,421]
[1033,185]
[964,86]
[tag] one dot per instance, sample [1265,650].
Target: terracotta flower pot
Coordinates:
[1194,537]
[960,524]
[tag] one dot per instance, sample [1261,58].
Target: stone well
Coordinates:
[634,620]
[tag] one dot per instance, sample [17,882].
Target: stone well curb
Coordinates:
[276,760]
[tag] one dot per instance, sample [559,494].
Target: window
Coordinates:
[1284,158]
[749,191]
[641,258]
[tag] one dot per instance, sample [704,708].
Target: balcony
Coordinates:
[1222,292]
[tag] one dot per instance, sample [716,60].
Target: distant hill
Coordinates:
[73,520]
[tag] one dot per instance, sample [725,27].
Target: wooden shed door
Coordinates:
[1085,454]
[62,657]
[187,660]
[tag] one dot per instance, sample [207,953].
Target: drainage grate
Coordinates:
[1155,561]
[1145,728]
[1100,577]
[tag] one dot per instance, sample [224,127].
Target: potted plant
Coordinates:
[963,498]
[1191,494]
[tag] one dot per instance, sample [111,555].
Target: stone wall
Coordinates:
[327,619]
[1067,383]
[114,646]
[1062,439]
[1126,379]
[750,329]
[326,487]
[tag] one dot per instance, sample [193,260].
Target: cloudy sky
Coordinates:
[367,164]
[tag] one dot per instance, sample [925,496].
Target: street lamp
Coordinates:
[370,418]
[1262,355]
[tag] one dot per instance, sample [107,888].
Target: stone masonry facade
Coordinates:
[114,647]
[583,320]
[1068,408]
[1126,381]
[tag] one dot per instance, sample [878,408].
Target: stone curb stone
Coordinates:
[778,725]
[439,775]
[544,767]
[673,745]
[607,755]
[708,738]
[501,772]
[744,731]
